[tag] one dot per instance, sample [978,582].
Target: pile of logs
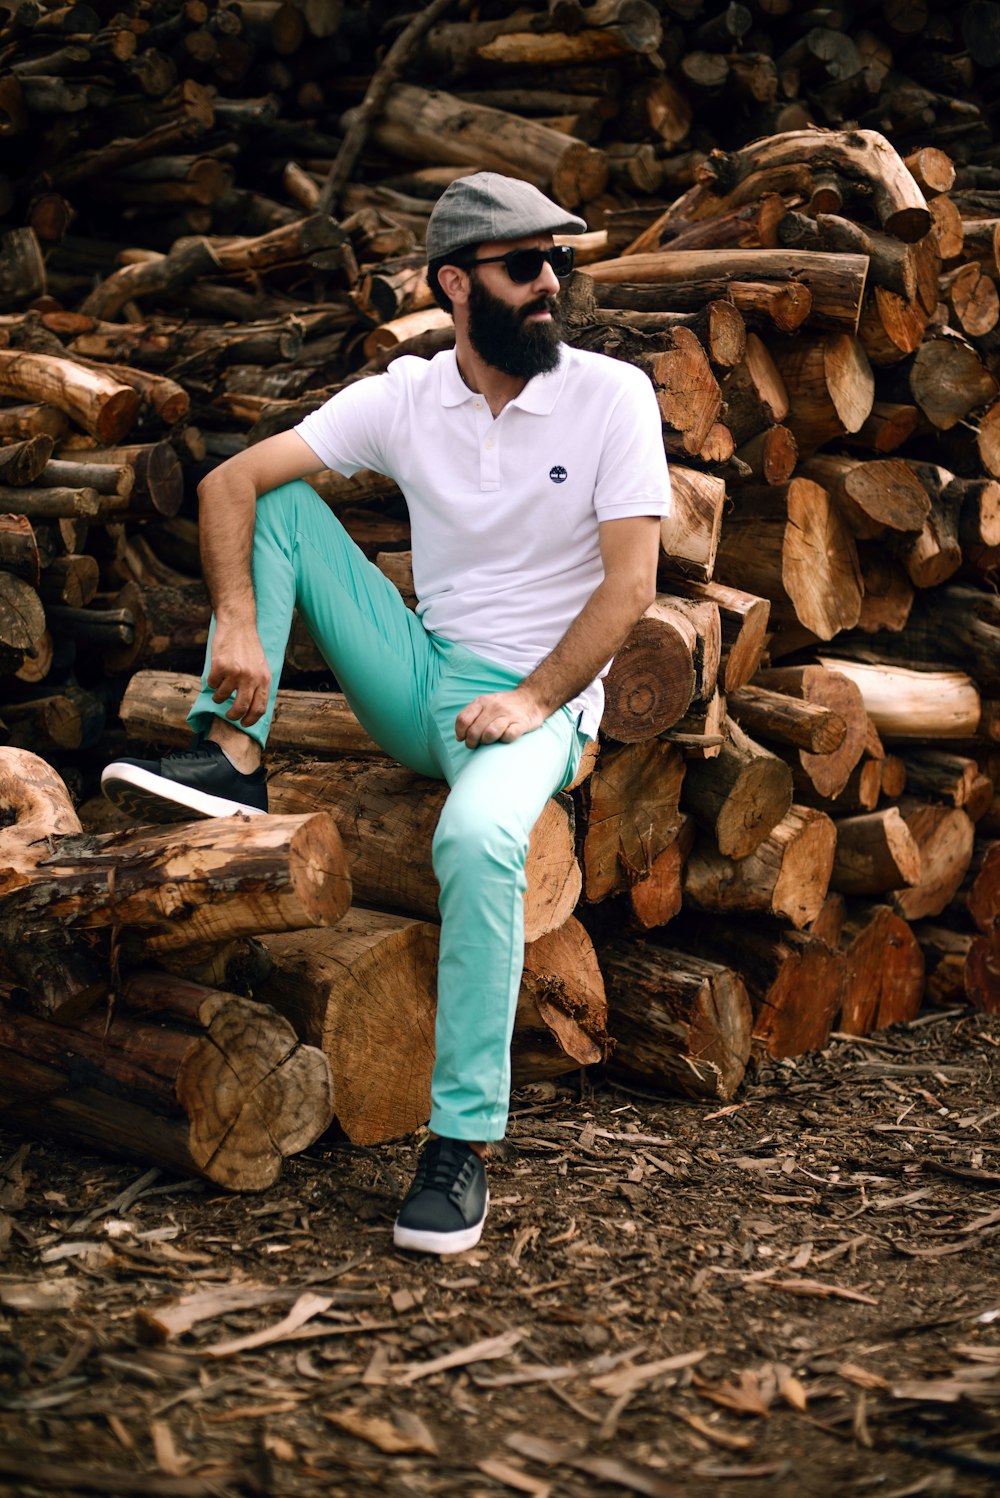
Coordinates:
[214,215]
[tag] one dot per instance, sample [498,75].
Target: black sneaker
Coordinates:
[195,782]
[444,1210]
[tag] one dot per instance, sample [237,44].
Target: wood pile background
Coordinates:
[211,218]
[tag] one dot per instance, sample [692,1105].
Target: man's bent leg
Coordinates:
[378,649]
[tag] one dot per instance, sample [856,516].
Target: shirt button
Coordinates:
[489,442]
[478,405]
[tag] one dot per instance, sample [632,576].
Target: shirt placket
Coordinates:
[488,435]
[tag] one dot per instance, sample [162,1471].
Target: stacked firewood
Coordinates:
[790,823]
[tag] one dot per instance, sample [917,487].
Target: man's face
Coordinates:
[515,328]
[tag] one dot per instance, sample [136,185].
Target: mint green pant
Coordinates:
[407,687]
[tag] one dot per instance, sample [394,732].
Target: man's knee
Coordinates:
[470,833]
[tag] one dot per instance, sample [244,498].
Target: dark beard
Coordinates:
[502,338]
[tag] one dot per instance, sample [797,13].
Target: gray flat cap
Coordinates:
[487,206]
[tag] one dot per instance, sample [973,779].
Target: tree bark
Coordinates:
[828,769]
[875,853]
[103,406]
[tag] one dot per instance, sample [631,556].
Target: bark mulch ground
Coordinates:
[795,1294]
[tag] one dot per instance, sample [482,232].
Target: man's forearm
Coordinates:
[226,524]
[600,628]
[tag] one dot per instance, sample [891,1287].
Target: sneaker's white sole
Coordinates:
[425,1242]
[150,797]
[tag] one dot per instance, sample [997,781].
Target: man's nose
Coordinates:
[547,282]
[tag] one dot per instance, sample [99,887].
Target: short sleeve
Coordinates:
[632,477]
[351,430]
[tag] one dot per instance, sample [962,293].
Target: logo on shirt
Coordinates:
[558,474]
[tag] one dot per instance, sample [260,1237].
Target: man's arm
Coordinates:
[629,550]
[228,498]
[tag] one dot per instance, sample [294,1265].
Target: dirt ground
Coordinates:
[795,1294]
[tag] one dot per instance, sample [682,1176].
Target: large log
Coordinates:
[944,836]
[828,767]
[364,992]
[380,809]
[430,125]
[795,981]
[679,1022]
[875,853]
[833,384]
[787,875]
[628,815]
[103,406]
[835,283]
[155,706]
[743,619]
[789,544]
[155,890]
[670,658]
[203,1082]
[885,972]
[906,704]
[741,795]
[728,179]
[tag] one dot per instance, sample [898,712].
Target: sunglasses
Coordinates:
[523,266]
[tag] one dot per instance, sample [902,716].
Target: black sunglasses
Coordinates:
[523,266]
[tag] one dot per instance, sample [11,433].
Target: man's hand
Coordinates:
[499,718]
[239,665]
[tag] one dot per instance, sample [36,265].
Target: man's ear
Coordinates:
[454,282]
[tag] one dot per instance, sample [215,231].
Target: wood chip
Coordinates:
[477,1352]
[302,1311]
[404,1432]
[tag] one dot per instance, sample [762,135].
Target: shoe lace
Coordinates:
[197,751]
[439,1168]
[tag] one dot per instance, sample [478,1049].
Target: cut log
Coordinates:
[628,815]
[827,769]
[158,477]
[22,623]
[982,897]
[789,544]
[755,394]
[835,283]
[669,658]
[833,384]
[875,853]
[743,618]
[795,982]
[202,1082]
[169,627]
[914,704]
[728,179]
[380,809]
[103,406]
[885,972]
[982,972]
[689,534]
[773,715]
[944,836]
[943,777]
[888,592]
[429,125]
[740,796]
[166,890]
[787,875]
[679,1022]
[945,954]
[873,497]
[19,549]
[656,899]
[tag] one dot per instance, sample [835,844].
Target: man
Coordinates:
[535,479]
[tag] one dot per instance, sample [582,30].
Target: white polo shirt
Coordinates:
[504,512]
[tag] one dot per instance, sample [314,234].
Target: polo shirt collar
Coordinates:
[538,397]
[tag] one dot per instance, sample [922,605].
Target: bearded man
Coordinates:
[535,479]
